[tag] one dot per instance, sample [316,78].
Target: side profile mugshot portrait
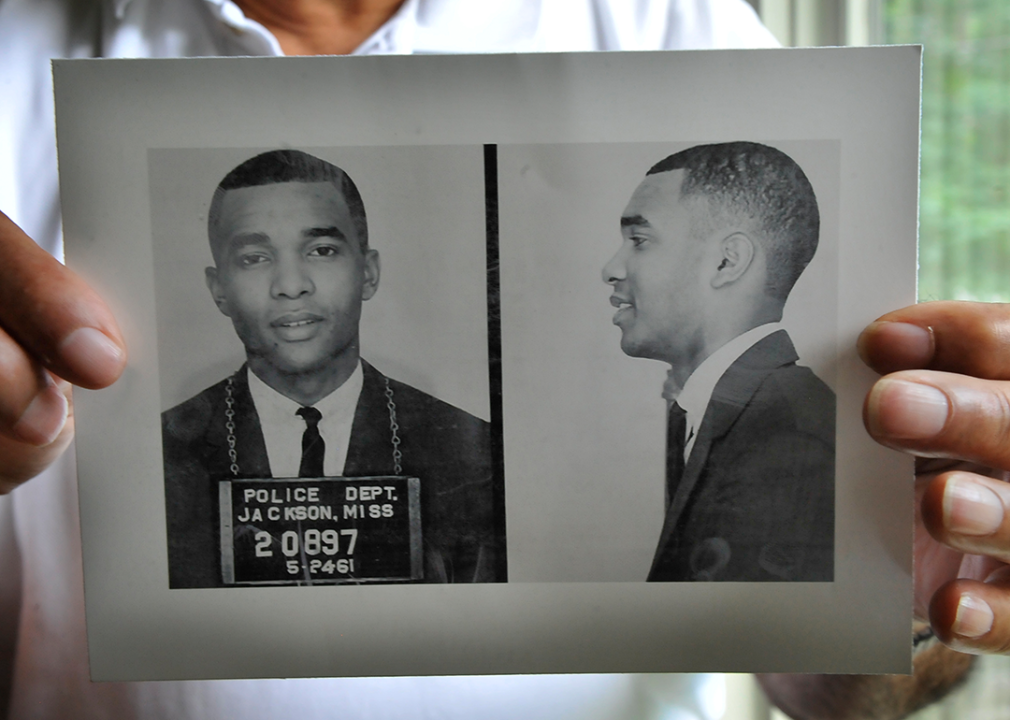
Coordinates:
[714,238]
[292,267]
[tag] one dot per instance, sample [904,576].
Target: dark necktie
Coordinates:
[313,447]
[676,437]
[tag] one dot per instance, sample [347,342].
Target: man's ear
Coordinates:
[216,291]
[736,255]
[373,269]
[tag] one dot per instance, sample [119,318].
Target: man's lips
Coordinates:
[297,326]
[623,305]
[295,320]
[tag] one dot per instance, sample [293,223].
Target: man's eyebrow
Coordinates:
[321,232]
[634,221]
[237,242]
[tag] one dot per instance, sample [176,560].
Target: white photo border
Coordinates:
[110,113]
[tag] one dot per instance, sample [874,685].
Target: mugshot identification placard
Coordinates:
[492,364]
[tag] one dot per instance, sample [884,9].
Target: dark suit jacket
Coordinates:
[448,449]
[756,500]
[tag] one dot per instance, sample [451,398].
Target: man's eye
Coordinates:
[638,240]
[250,259]
[324,251]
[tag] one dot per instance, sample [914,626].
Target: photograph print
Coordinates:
[604,373]
[706,423]
[324,366]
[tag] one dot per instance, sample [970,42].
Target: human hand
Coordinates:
[946,399]
[54,331]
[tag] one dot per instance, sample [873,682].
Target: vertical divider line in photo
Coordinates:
[494,356]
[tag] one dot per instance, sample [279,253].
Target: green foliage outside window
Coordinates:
[964,235]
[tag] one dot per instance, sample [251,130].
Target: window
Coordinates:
[964,213]
[964,250]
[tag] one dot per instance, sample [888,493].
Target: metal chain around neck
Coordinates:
[393,428]
[229,414]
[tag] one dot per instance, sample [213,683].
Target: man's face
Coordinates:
[656,274]
[291,274]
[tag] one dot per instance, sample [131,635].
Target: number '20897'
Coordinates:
[312,542]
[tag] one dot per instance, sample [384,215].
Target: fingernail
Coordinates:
[916,343]
[974,617]
[970,508]
[89,348]
[906,410]
[44,418]
[1000,575]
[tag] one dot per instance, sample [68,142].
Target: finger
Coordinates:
[54,315]
[970,513]
[973,616]
[934,562]
[33,410]
[935,414]
[960,337]
[21,461]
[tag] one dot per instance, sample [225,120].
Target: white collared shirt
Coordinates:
[697,392]
[283,427]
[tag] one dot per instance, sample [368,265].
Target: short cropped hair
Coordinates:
[283,166]
[752,181]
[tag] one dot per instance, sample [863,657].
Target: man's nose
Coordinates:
[291,279]
[614,270]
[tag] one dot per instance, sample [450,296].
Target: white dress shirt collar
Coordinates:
[396,36]
[698,388]
[283,428]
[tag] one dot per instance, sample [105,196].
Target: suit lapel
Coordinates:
[250,448]
[370,451]
[730,396]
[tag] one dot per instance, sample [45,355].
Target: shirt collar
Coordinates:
[272,407]
[396,36]
[344,400]
[701,383]
[482,26]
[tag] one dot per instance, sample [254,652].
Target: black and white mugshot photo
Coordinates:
[324,366]
[435,372]
[694,441]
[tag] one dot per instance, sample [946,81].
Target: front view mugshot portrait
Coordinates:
[402,481]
